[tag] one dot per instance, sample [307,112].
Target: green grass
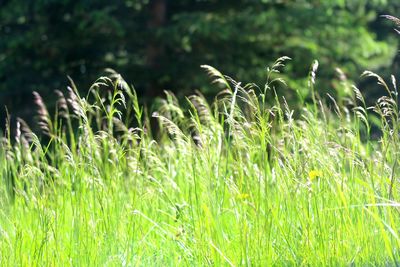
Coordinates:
[246,181]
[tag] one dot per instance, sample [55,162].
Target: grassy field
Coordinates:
[244,181]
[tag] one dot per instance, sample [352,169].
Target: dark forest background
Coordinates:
[159,45]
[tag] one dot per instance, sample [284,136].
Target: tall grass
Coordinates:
[244,181]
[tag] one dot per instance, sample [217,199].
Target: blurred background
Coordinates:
[160,44]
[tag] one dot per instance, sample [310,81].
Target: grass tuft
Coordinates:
[245,180]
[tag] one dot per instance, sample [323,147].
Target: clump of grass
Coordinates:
[235,182]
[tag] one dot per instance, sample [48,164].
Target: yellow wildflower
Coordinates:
[242,196]
[314,174]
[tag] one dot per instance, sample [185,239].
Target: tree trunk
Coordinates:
[158,9]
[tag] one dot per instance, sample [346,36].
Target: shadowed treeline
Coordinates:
[160,44]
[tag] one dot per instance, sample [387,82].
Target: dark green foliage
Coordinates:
[42,41]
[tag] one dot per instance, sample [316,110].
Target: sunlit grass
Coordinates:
[244,181]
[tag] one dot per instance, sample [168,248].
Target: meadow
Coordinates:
[242,181]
